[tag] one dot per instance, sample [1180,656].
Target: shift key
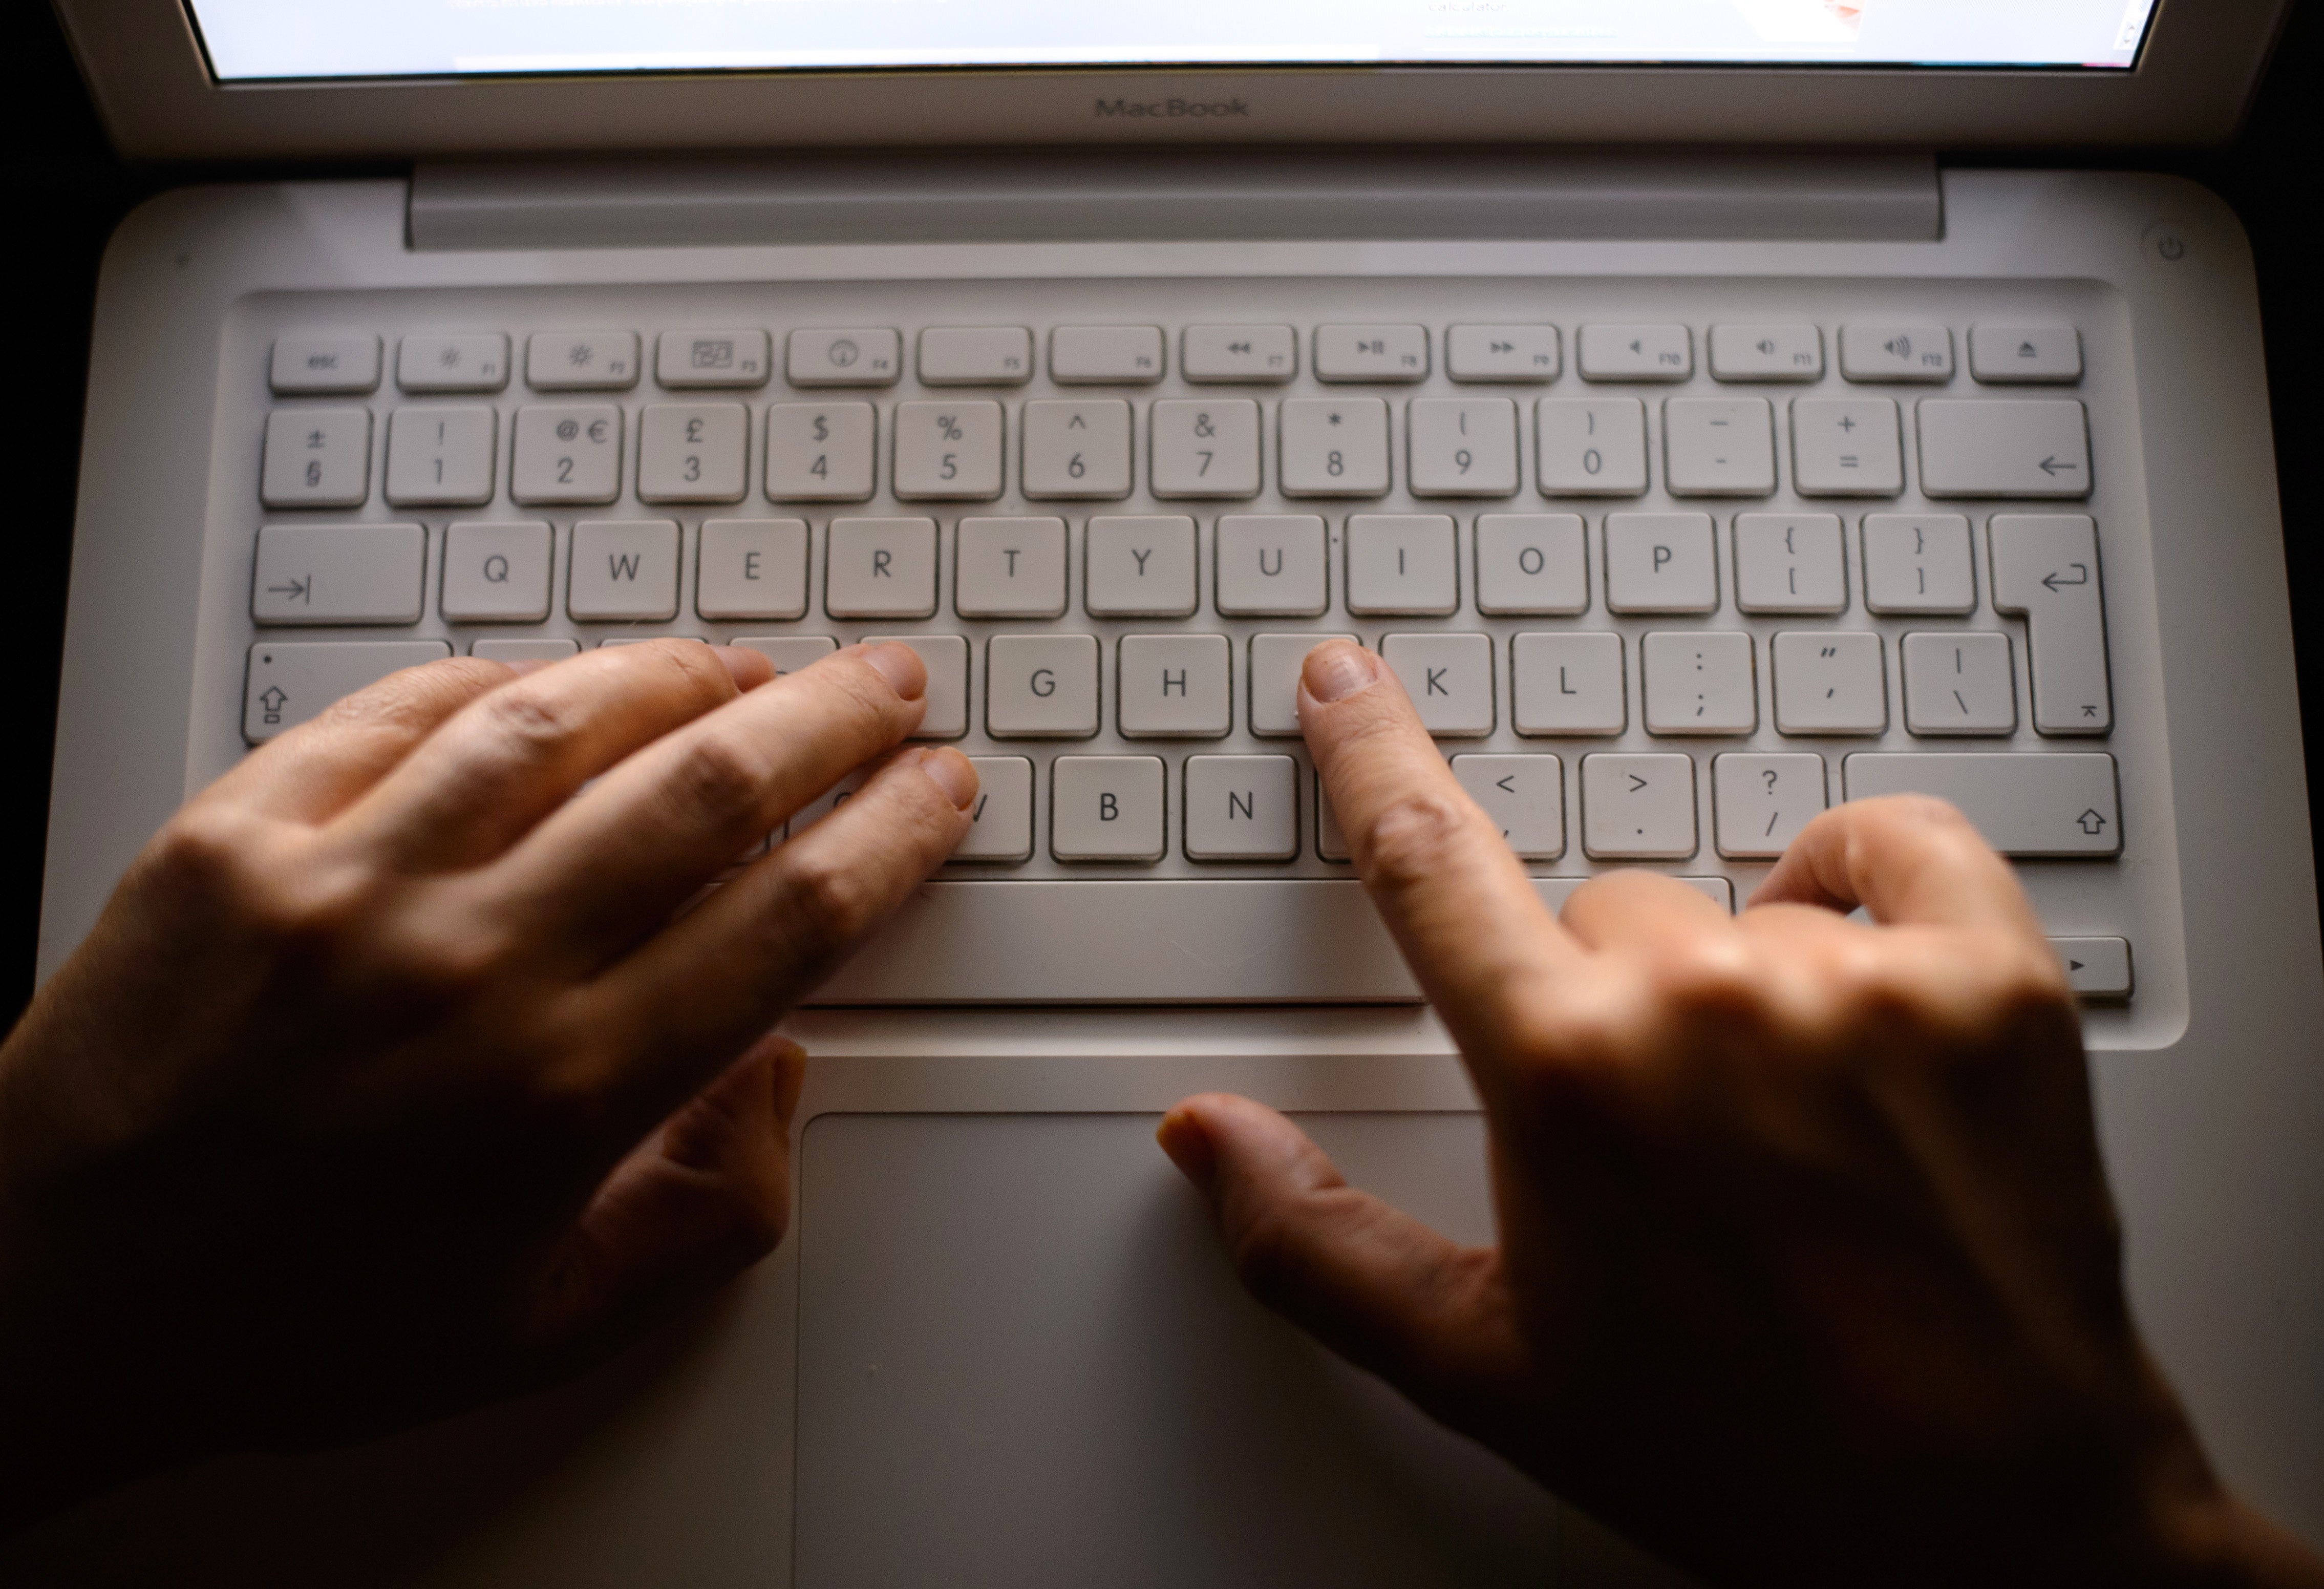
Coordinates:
[2030,803]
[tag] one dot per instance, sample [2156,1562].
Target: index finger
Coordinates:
[1905,859]
[1450,888]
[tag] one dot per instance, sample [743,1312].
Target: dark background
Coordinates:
[69,190]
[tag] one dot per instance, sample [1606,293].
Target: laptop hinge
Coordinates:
[875,196]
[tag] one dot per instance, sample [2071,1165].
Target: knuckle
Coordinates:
[698,671]
[528,721]
[830,901]
[717,775]
[1707,976]
[1412,838]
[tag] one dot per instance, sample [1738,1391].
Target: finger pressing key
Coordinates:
[1449,887]
[1904,858]
[635,844]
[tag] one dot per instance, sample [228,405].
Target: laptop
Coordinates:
[1699,447]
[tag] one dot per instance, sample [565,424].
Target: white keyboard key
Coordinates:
[2024,803]
[946,656]
[1567,684]
[880,568]
[1847,447]
[1106,808]
[751,569]
[862,356]
[1001,821]
[1526,795]
[581,361]
[1106,355]
[1271,566]
[2096,968]
[1077,449]
[1175,686]
[317,362]
[1276,661]
[316,457]
[976,356]
[1139,567]
[1896,353]
[820,451]
[1635,353]
[1918,563]
[1699,682]
[1761,802]
[789,652]
[732,357]
[1450,678]
[1503,353]
[1462,446]
[1829,681]
[525,650]
[2024,354]
[1402,564]
[441,456]
[566,453]
[623,569]
[1591,446]
[2045,566]
[471,361]
[2005,446]
[1372,353]
[1040,687]
[1638,808]
[1766,353]
[1010,568]
[947,451]
[1959,682]
[338,574]
[1718,447]
[1265,354]
[1242,808]
[496,572]
[1334,446]
[693,452]
[1790,563]
[1529,563]
[1205,447]
[1661,563]
[288,684]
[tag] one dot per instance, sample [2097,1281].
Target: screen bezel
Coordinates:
[153,86]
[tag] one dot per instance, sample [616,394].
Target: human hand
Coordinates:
[1807,1270]
[392,1078]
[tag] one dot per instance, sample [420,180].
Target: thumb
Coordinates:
[703,1198]
[1432,1317]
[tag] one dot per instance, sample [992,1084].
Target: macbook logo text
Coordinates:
[1173,110]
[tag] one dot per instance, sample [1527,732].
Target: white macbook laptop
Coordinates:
[1699,447]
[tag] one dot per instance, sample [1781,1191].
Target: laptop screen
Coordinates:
[279,39]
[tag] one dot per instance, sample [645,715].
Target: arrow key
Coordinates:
[1526,795]
[2098,967]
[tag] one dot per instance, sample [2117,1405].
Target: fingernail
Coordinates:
[1182,1138]
[901,667]
[748,669]
[952,773]
[531,665]
[1336,670]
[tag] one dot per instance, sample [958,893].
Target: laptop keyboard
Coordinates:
[1664,590]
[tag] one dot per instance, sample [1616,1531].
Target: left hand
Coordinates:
[392,1078]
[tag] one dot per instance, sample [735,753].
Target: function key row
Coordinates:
[344,362]
[1197,449]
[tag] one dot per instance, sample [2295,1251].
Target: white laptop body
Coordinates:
[1942,478]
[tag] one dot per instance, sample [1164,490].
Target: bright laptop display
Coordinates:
[255,40]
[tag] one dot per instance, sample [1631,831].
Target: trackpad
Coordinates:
[1024,1359]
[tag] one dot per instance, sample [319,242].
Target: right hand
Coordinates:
[1807,1271]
